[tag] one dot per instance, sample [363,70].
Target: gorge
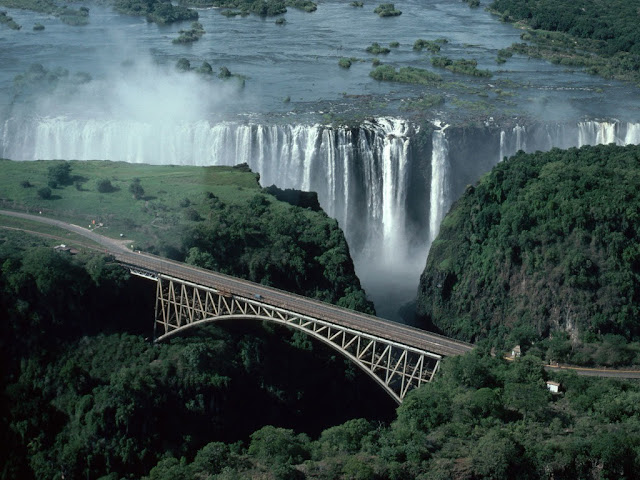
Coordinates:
[385,169]
[388,181]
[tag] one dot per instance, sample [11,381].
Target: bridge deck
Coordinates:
[341,316]
[348,318]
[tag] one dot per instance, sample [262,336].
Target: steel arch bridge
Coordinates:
[181,304]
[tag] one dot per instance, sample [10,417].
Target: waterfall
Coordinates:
[439,199]
[369,177]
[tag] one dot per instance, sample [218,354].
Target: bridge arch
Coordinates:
[397,368]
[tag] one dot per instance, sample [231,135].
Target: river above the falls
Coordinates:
[111,90]
[294,67]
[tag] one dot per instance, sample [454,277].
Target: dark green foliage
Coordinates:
[306,5]
[387,10]
[281,21]
[424,103]
[60,173]
[344,62]
[224,73]
[297,198]
[183,64]
[105,186]
[205,68]
[405,75]
[157,11]
[472,3]
[376,49]
[432,45]
[192,35]
[467,67]
[277,446]
[44,193]
[25,184]
[8,21]
[260,7]
[394,44]
[570,32]
[38,27]
[546,242]
[73,17]
[135,188]
[283,247]
[357,4]
[97,402]
[458,427]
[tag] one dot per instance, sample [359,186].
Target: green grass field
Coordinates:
[168,191]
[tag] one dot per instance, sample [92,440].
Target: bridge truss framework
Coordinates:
[181,304]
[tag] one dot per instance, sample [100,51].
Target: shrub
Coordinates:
[344,62]
[387,10]
[60,174]
[394,44]
[205,69]
[25,184]
[224,73]
[183,65]
[38,27]
[432,45]
[412,75]
[105,186]
[376,49]
[136,189]
[44,193]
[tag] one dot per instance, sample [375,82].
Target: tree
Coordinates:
[136,189]
[277,446]
[183,65]
[44,193]
[105,186]
[60,173]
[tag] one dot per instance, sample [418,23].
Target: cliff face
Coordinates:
[544,242]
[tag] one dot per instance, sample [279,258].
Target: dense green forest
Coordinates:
[85,394]
[546,245]
[602,36]
[216,217]
[481,418]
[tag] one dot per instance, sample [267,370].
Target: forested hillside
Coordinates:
[545,246]
[602,36]
[85,391]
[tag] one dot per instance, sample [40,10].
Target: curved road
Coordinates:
[358,321]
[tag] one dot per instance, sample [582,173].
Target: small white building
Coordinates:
[515,351]
[554,387]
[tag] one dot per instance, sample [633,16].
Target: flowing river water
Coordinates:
[388,174]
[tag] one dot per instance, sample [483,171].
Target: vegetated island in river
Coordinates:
[602,37]
[86,395]
[544,252]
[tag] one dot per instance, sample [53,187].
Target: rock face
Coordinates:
[544,242]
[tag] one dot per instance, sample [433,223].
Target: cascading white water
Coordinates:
[632,136]
[595,133]
[439,200]
[362,175]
